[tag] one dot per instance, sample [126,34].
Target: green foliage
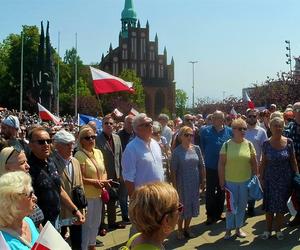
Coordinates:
[181,102]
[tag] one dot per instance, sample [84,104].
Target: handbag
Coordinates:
[254,189]
[79,198]
[105,195]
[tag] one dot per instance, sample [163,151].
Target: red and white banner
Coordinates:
[133,112]
[105,83]
[46,115]
[50,239]
[117,112]
[229,201]
[233,113]
[249,101]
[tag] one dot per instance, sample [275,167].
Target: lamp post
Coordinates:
[193,63]
[288,54]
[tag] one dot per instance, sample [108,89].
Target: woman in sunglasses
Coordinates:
[94,179]
[17,201]
[237,163]
[154,209]
[187,168]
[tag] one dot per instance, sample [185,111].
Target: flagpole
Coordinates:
[21,80]
[57,100]
[100,104]
[76,74]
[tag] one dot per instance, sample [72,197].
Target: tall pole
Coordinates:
[21,80]
[76,75]
[57,99]
[193,63]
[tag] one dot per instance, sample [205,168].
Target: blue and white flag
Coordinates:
[85,119]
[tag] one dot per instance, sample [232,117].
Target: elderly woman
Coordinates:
[165,148]
[237,163]
[277,169]
[154,209]
[17,201]
[12,160]
[94,179]
[186,169]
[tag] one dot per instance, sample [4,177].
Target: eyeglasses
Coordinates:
[11,153]
[108,123]
[179,209]
[88,138]
[188,135]
[252,116]
[146,125]
[43,141]
[29,195]
[241,129]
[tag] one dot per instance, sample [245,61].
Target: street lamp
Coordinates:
[193,63]
[288,54]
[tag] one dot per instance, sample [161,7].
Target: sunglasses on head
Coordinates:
[43,141]
[88,138]
[179,209]
[188,135]
[242,129]
[11,153]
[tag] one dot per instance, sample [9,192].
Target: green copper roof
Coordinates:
[128,11]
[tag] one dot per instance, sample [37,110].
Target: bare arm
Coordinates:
[221,170]
[130,187]
[294,163]
[254,167]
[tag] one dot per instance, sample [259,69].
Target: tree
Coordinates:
[181,102]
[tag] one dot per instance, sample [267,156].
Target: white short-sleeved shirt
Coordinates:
[142,162]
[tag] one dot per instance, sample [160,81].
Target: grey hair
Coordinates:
[137,119]
[156,127]
[163,117]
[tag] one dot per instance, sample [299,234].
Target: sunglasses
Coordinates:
[108,123]
[297,110]
[252,116]
[88,138]
[241,129]
[189,120]
[188,135]
[11,153]
[146,125]
[179,209]
[43,141]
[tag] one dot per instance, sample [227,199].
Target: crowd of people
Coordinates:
[153,170]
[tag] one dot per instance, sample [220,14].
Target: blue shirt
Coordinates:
[211,142]
[142,162]
[16,244]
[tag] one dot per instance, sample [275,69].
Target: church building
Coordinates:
[137,52]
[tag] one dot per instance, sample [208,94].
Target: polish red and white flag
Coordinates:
[249,101]
[229,201]
[117,112]
[50,239]
[105,83]
[133,112]
[46,115]
[233,113]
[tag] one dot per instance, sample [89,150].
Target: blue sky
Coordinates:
[237,42]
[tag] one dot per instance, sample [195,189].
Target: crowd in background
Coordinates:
[73,170]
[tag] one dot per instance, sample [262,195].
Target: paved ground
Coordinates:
[211,237]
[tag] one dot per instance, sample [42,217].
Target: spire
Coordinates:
[156,38]
[128,17]
[165,50]
[147,25]
[110,47]
[172,61]
[138,24]
[102,57]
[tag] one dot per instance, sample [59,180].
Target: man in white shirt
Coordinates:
[166,131]
[141,160]
[257,135]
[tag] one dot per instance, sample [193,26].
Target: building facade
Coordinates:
[137,52]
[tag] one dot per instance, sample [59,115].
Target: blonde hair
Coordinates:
[4,155]
[238,122]
[276,114]
[83,132]
[277,119]
[184,130]
[149,203]
[11,186]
